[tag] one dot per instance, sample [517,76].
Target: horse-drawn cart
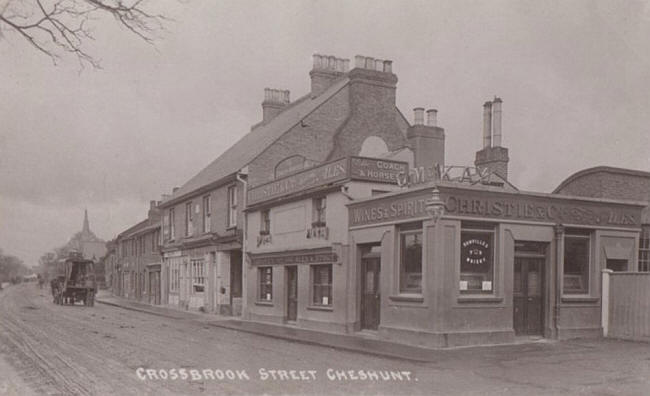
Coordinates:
[74,281]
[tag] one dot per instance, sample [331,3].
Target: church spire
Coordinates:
[86,227]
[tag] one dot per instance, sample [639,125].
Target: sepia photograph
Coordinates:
[324,197]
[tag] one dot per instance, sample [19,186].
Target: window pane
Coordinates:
[477,262]
[411,263]
[266,283]
[322,284]
[576,265]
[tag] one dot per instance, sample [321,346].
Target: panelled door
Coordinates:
[528,295]
[292,293]
[370,297]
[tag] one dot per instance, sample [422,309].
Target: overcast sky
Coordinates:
[574,77]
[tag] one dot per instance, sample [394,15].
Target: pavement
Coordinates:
[364,343]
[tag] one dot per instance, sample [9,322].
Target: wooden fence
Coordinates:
[626,305]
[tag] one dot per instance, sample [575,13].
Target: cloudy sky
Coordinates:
[574,77]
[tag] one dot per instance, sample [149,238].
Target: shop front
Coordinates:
[480,265]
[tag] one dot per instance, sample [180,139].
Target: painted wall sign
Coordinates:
[459,202]
[321,256]
[358,168]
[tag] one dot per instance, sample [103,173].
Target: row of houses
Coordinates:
[337,213]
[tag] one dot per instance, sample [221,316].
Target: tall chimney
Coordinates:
[275,100]
[426,141]
[487,124]
[496,122]
[492,157]
[325,70]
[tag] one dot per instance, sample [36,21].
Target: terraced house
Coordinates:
[135,269]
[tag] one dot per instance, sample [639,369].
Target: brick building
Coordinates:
[615,183]
[136,264]
[345,113]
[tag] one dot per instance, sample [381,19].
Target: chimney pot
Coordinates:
[175,189]
[359,61]
[370,63]
[432,117]
[418,116]
[152,204]
[388,66]
[379,65]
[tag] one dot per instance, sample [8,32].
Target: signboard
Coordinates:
[504,206]
[451,173]
[293,258]
[324,174]
[357,168]
[377,170]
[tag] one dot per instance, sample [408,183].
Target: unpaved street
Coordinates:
[97,351]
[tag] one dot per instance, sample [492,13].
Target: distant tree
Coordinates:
[46,264]
[11,268]
[62,27]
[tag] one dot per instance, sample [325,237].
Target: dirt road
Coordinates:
[106,350]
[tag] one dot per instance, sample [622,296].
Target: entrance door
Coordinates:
[370,267]
[528,295]
[292,293]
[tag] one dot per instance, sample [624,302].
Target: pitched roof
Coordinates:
[256,141]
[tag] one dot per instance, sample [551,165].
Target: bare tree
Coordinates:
[62,27]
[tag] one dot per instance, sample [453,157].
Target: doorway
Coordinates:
[292,293]
[528,288]
[370,291]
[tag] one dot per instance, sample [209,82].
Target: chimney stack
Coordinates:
[275,100]
[325,70]
[492,157]
[152,205]
[426,141]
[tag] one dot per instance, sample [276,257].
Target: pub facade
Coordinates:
[448,263]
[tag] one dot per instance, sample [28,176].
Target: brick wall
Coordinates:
[338,128]
[609,185]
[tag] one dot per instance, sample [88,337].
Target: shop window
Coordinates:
[322,285]
[206,214]
[410,269]
[265,222]
[476,259]
[198,275]
[320,209]
[644,250]
[266,283]
[576,262]
[232,206]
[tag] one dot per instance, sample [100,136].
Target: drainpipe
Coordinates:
[241,177]
[559,258]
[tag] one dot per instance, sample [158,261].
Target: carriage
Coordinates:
[74,281]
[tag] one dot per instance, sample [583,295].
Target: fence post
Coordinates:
[604,301]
